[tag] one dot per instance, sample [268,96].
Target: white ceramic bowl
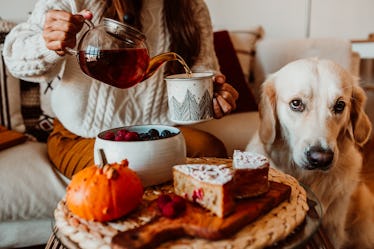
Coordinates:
[152,160]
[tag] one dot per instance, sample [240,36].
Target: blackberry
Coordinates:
[144,136]
[153,134]
[165,134]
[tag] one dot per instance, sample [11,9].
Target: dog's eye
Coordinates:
[297,105]
[339,106]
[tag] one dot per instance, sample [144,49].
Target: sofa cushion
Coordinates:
[234,130]
[231,68]
[273,54]
[39,123]
[244,42]
[30,186]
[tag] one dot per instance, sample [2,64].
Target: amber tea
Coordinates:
[120,68]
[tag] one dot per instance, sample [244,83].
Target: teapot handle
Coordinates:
[90,26]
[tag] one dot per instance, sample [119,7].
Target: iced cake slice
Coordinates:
[250,174]
[210,186]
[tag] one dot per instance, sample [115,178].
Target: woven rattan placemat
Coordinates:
[265,231]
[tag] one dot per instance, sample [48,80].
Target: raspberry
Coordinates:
[119,138]
[169,210]
[120,135]
[131,136]
[197,194]
[162,200]
[179,204]
[121,132]
[109,135]
[171,207]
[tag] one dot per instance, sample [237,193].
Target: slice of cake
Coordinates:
[250,174]
[210,186]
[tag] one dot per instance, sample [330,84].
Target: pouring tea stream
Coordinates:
[117,54]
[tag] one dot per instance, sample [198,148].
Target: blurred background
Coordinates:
[351,19]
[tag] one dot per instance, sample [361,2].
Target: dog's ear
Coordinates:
[361,124]
[267,112]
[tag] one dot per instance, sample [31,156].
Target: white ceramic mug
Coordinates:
[190,97]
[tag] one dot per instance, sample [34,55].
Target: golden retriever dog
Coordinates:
[313,126]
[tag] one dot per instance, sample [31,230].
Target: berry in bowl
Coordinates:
[152,150]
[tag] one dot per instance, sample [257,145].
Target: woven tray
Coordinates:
[266,231]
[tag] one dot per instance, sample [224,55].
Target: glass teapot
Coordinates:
[117,54]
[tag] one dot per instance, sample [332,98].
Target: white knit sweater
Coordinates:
[86,106]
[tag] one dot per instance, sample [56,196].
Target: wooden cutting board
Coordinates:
[198,222]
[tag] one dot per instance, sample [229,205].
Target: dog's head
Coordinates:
[313,107]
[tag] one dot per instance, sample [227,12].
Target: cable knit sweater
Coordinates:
[86,106]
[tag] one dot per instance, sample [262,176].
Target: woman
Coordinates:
[36,51]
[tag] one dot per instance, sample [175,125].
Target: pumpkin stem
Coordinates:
[104,161]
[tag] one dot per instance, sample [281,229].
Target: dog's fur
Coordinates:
[313,126]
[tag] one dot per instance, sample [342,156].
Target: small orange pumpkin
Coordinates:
[104,194]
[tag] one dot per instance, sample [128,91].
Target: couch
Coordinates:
[30,186]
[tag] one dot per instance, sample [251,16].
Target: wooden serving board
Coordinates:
[198,222]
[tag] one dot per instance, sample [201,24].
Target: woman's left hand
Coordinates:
[224,97]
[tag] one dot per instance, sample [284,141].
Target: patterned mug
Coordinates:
[190,97]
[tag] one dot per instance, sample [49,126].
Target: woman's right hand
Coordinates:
[61,27]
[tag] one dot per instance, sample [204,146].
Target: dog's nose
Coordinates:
[319,158]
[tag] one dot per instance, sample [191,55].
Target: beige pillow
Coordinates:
[244,42]
[30,185]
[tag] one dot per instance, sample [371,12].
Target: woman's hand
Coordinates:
[61,27]
[225,96]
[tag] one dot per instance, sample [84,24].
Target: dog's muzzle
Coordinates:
[319,158]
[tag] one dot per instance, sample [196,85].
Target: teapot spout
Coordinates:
[156,62]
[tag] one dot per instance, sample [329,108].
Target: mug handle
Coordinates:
[90,26]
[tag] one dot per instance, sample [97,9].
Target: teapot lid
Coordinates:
[123,31]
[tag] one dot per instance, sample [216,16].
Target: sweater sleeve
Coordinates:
[25,52]
[207,60]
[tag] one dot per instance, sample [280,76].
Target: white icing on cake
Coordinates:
[246,159]
[215,174]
